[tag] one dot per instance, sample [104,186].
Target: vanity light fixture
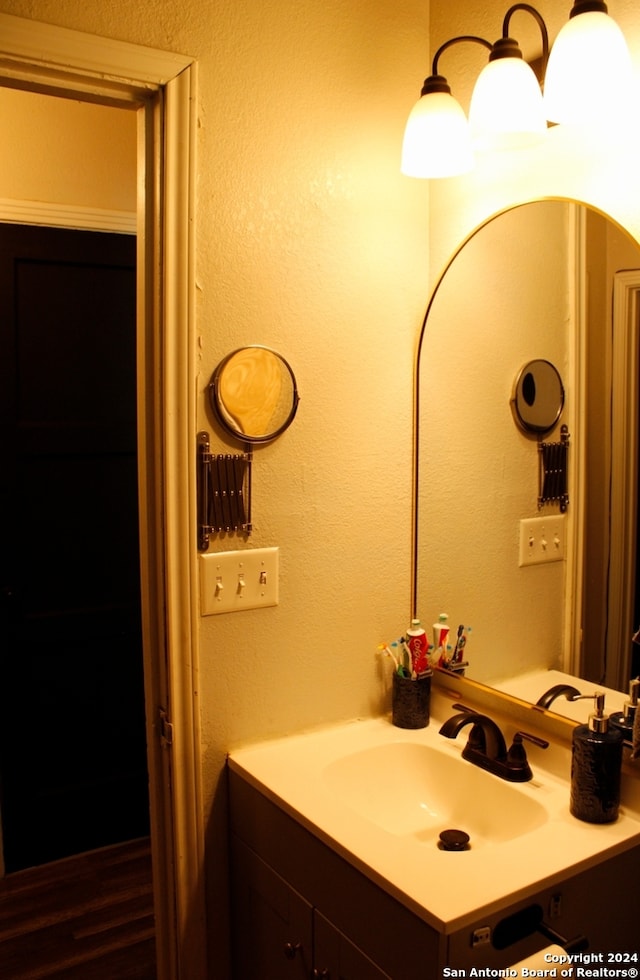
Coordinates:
[507,106]
[589,71]
[437,138]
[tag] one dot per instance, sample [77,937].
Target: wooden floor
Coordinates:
[88,917]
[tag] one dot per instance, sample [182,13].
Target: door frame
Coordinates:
[625,351]
[161,87]
[619,458]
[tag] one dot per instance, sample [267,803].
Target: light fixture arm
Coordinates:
[455,40]
[541,24]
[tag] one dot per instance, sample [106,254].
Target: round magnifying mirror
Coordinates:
[254,394]
[538,397]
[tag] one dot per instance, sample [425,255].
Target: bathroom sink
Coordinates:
[409,788]
[380,796]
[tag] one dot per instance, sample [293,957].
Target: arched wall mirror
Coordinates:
[547,281]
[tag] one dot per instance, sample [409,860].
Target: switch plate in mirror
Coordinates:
[542,539]
[231,581]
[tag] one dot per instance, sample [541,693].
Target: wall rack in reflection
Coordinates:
[554,459]
[224,492]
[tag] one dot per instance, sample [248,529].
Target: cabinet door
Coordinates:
[336,958]
[272,924]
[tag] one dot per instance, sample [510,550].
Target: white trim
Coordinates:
[624,476]
[180,515]
[576,379]
[67,216]
[50,47]
[52,59]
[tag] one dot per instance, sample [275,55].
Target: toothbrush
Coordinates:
[398,657]
[408,659]
[457,656]
[445,657]
[461,645]
[459,640]
[385,649]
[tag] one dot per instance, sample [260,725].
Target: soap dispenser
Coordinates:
[596,761]
[624,719]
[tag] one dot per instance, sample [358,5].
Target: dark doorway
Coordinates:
[635,647]
[73,768]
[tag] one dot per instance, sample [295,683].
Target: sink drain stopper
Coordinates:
[453,840]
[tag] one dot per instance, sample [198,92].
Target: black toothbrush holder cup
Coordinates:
[410,700]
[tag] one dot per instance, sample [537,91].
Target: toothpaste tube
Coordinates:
[418,648]
[440,632]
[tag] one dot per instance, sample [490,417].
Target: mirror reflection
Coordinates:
[538,397]
[536,283]
[254,394]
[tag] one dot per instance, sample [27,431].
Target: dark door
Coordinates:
[73,772]
[635,647]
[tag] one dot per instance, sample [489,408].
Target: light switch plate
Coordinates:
[542,540]
[232,581]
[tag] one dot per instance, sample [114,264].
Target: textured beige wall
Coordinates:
[67,152]
[308,240]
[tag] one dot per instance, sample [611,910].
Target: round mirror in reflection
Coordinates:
[538,397]
[254,394]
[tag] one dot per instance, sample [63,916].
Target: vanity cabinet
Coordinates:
[273,924]
[280,936]
[336,956]
[299,906]
[289,887]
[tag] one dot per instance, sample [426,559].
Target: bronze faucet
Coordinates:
[487,748]
[570,692]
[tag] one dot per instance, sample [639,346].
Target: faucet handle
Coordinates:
[517,761]
[541,742]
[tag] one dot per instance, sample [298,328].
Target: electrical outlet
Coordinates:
[555,906]
[231,581]
[542,539]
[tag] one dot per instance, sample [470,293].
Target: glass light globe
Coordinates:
[506,108]
[589,71]
[437,140]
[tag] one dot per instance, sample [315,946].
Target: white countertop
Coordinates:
[532,685]
[446,889]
